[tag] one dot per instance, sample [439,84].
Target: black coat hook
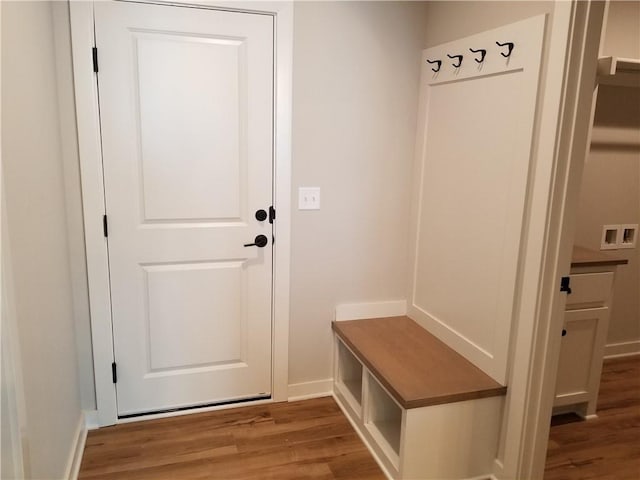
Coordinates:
[438,62]
[482,52]
[459,57]
[509,45]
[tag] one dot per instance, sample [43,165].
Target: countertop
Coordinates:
[585,257]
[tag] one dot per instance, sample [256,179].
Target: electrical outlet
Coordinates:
[609,239]
[628,236]
[309,198]
[619,236]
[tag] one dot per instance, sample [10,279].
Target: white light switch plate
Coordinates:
[309,198]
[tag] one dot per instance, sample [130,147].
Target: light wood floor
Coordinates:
[302,440]
[607,447]
[313,440]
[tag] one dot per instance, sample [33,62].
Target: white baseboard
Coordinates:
[91,419]
[357,311]
[624,349]
[75,455]
[307,390]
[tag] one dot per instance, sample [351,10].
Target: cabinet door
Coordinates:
[589,290]
[581,356]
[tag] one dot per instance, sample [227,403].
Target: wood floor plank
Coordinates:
[313,440]
[355,465]
[300,440]
[607,447]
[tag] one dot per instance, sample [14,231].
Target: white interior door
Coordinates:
[186,108]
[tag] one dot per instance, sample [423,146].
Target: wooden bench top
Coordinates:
[413,365]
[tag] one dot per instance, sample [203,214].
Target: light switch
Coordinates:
[309,198]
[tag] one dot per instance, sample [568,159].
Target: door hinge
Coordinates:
[272,214]
[105,226]
[565,285]
[94,54]
[114,373]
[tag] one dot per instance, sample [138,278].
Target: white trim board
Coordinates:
[622,349]
[562,140]
[93,193]
[77,450]
[14,411]
[91,419]
[359,311]
[308,390]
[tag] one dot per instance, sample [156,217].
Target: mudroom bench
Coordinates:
[423,410]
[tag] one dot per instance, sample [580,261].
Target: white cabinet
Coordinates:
[584,334]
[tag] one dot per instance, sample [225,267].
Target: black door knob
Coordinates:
[261,215]
[564,332]
[259,241]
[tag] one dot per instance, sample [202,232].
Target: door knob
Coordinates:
[260,241]
[261,215]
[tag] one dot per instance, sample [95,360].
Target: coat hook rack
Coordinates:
[509,45]
[438,62]
[459,57]
[482,52]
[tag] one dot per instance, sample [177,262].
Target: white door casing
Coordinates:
[228,271]
[473,163]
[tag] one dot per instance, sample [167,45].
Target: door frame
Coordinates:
[93,195]
[535,349]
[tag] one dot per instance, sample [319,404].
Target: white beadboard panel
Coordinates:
[473,169]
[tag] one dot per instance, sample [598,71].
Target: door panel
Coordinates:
[180,126]
[186,106]
[181,333]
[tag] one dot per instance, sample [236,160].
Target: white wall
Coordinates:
[622,30]
[611,184]
[355,81]
[447,21]
[73,202]
[35,205]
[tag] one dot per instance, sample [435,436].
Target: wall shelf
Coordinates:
[618,71]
